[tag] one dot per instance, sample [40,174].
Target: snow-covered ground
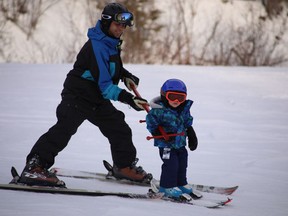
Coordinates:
[240,116]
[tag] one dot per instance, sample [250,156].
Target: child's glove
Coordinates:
[192,138]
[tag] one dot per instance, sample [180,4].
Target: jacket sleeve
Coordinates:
[187,115]
[152,121]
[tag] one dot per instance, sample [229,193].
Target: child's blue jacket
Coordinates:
[171,120]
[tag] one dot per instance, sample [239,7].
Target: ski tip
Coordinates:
[15,176]
[107,165]
[54,170]
[14,172]
[221,203]
[227,201]
[231,190]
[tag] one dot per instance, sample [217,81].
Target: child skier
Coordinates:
[171,111]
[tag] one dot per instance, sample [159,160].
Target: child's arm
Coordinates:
[192,138]
[152,122]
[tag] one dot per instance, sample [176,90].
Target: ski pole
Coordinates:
[146,107]
[161,136]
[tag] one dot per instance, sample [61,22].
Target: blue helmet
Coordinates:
[173,85]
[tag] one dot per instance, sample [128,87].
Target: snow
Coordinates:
[240,116]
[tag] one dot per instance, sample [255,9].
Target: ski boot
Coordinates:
[189,190]
[35,174]
[176,194]
[132,173]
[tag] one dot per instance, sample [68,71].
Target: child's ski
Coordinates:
[104,177]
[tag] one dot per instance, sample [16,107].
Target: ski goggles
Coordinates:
[176,96]
[123,18]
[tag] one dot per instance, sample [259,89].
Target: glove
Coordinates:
[136,103]
[192,138]
[130,81]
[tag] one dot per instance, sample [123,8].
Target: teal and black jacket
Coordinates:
[172,120]
[97,70]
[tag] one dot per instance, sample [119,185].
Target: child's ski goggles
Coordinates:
[173,96]
[123,18]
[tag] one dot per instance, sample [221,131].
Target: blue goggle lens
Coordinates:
[124,18]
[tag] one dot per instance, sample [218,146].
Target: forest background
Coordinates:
[191,32]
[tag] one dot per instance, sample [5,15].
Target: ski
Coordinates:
[81,192]
[15,186]
[104,177]
[68,191]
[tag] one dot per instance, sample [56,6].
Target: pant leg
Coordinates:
[56,139]
[112,125]
[169,169]
[182,169]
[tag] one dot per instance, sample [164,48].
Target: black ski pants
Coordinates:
[71,114]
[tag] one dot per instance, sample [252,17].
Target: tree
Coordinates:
[25,14]
[4,40]
[274,7]
[173,45]
[139,40]
[257,40]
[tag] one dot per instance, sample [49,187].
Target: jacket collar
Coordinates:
[96,33]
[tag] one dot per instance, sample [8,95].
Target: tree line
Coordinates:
[161,35]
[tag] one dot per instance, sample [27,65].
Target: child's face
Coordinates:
[175,98]
[174,104]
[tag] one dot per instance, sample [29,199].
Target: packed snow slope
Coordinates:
[240,117]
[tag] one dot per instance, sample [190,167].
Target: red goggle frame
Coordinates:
[173,96]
